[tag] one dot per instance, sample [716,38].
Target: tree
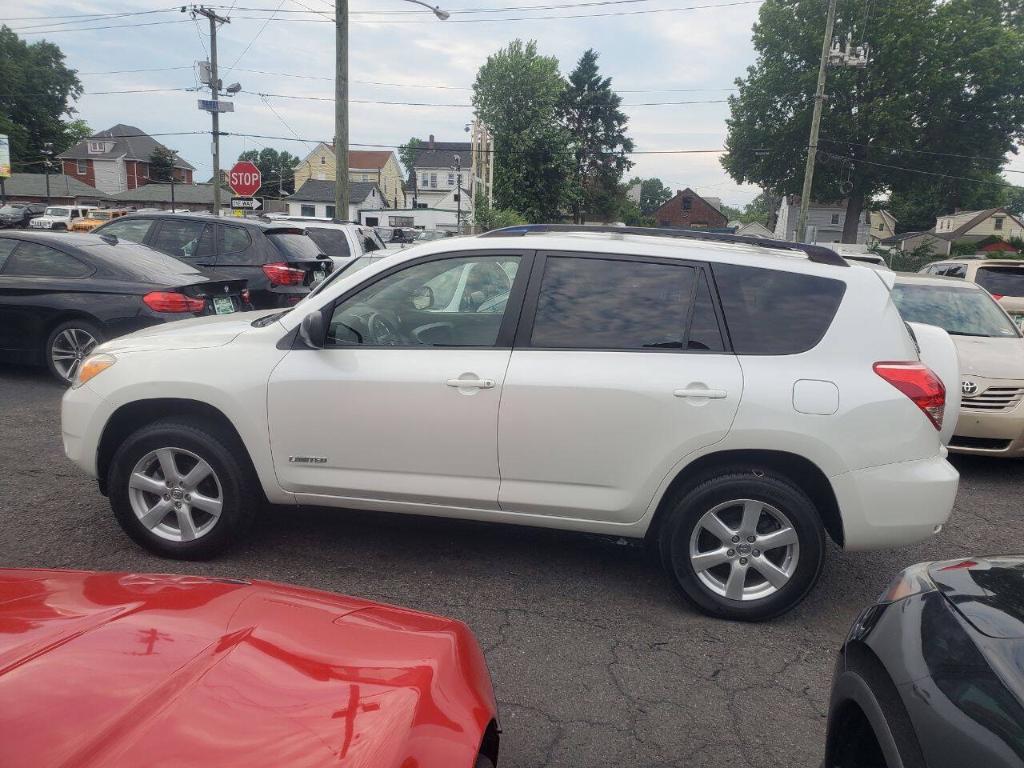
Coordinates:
[36,91]
[516,93]
[407,153]
[589,110]
[916,207]
[653,194]
[161,163]
[276,168]
[488,218]
[944,86]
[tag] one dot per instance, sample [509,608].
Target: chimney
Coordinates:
[430,144]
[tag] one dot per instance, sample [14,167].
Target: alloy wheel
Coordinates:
[70,347]
[175,494]
[744,549]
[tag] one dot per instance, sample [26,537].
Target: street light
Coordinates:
[341,196]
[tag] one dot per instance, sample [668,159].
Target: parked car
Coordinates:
[60,217]
[279,262]
[859,254]
[342,241]
[61,296]
[932,675]
[732,402]
[429,235]
[991,352]
[98,217]
[1003,278]
[130,669]
[15,215]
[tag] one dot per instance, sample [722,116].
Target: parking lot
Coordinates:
[593,659]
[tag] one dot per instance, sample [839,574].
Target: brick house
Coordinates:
[688,210]
[116,160]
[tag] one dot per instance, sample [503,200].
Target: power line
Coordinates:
[299,97]
[81,17]
[113,26]
[919,171]
[465,11]
[132,71]
[921,152]
[257,37]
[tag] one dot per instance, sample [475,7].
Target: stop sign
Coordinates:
[244,179]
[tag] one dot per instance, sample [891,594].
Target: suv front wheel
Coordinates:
[178,489]
[745,545]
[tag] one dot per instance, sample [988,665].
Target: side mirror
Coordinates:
[423,298]
[313,330]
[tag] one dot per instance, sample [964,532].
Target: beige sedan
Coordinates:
[991,352]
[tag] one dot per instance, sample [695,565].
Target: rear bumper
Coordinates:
[895,504]
[998,433]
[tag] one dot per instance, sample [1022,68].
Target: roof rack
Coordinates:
[816,253]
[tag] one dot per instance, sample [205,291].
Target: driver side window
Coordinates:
[456,302]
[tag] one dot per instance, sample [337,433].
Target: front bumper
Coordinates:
[895,504]
[83,413]
[990,433]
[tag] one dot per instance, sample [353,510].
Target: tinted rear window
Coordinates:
[331,242]
[139,263]
[1006,281]
[294,247]
[604,304]
[770,312]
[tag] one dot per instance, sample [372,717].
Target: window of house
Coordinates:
[401,221]
[323,160]
[81,167]
[999,223]
[451,179]
[425,181]
[881,226]
[307,210]
[687,203]
[329,211]
[587,303]
[366,177]
[95,147]
[835,218]
[433,180]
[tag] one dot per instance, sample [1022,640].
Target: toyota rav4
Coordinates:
[732,401]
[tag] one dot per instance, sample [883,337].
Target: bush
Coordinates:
[487,218]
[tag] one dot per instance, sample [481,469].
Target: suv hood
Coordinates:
[194,333]
[991,358]
[114,670]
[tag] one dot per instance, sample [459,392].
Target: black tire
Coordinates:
[483,761]
[240,492]
[58,333]
[760,485]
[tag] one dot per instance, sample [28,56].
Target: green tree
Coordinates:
[36,91]
[944,76]
[276,168]
[653,194]
[589,110]
[487,218]
[407,153]
[916,207]
[516,94]
[161,163]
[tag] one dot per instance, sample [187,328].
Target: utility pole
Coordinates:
[341,190]
[214,94]
[812,146]
[47,153]
[458,195]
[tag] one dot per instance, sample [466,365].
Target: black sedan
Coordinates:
[20,214]
[61,295]
[932,676]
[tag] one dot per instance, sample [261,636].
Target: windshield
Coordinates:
[15,208]
[332,242]
[961,311]
[1003,281]
[295,245]
[370,240]
[59,212]
[432,235]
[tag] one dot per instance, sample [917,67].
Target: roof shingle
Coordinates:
[129,142]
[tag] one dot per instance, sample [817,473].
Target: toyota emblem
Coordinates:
[969,388]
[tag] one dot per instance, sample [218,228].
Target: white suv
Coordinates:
[61,217]
[732,402]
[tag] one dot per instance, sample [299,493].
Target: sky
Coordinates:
[693,49]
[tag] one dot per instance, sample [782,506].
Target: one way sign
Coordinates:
[246,203]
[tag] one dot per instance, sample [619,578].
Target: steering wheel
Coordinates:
[383,331]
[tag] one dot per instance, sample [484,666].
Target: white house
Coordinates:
[316,198]
[824,221]
[977,225]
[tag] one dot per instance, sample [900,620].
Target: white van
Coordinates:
[60,217]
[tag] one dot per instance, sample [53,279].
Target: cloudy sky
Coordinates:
[400,54]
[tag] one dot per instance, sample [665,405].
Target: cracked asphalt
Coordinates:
[594,661]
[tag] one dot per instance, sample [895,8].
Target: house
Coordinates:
[432,179]
[752,229]
[380,167]
[688,210]
[911,241]
[117,159]
[64,190]
[972,226]
[316,198]
[883,226]
[825,221]
[191,197]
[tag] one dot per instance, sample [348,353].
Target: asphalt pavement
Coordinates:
[594,661]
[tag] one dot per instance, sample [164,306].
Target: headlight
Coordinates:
[913,581]
[91,367]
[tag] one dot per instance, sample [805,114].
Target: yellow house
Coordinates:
[977,225]
[379,167]
[883,226]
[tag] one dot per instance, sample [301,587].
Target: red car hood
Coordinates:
[106,669]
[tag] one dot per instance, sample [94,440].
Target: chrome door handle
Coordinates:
[709,394]
[474,383]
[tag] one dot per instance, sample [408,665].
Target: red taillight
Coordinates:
[279,273]
[168,301]
[997,296]
[916,381]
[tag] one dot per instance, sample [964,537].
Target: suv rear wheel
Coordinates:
[746,545]
[177,489]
